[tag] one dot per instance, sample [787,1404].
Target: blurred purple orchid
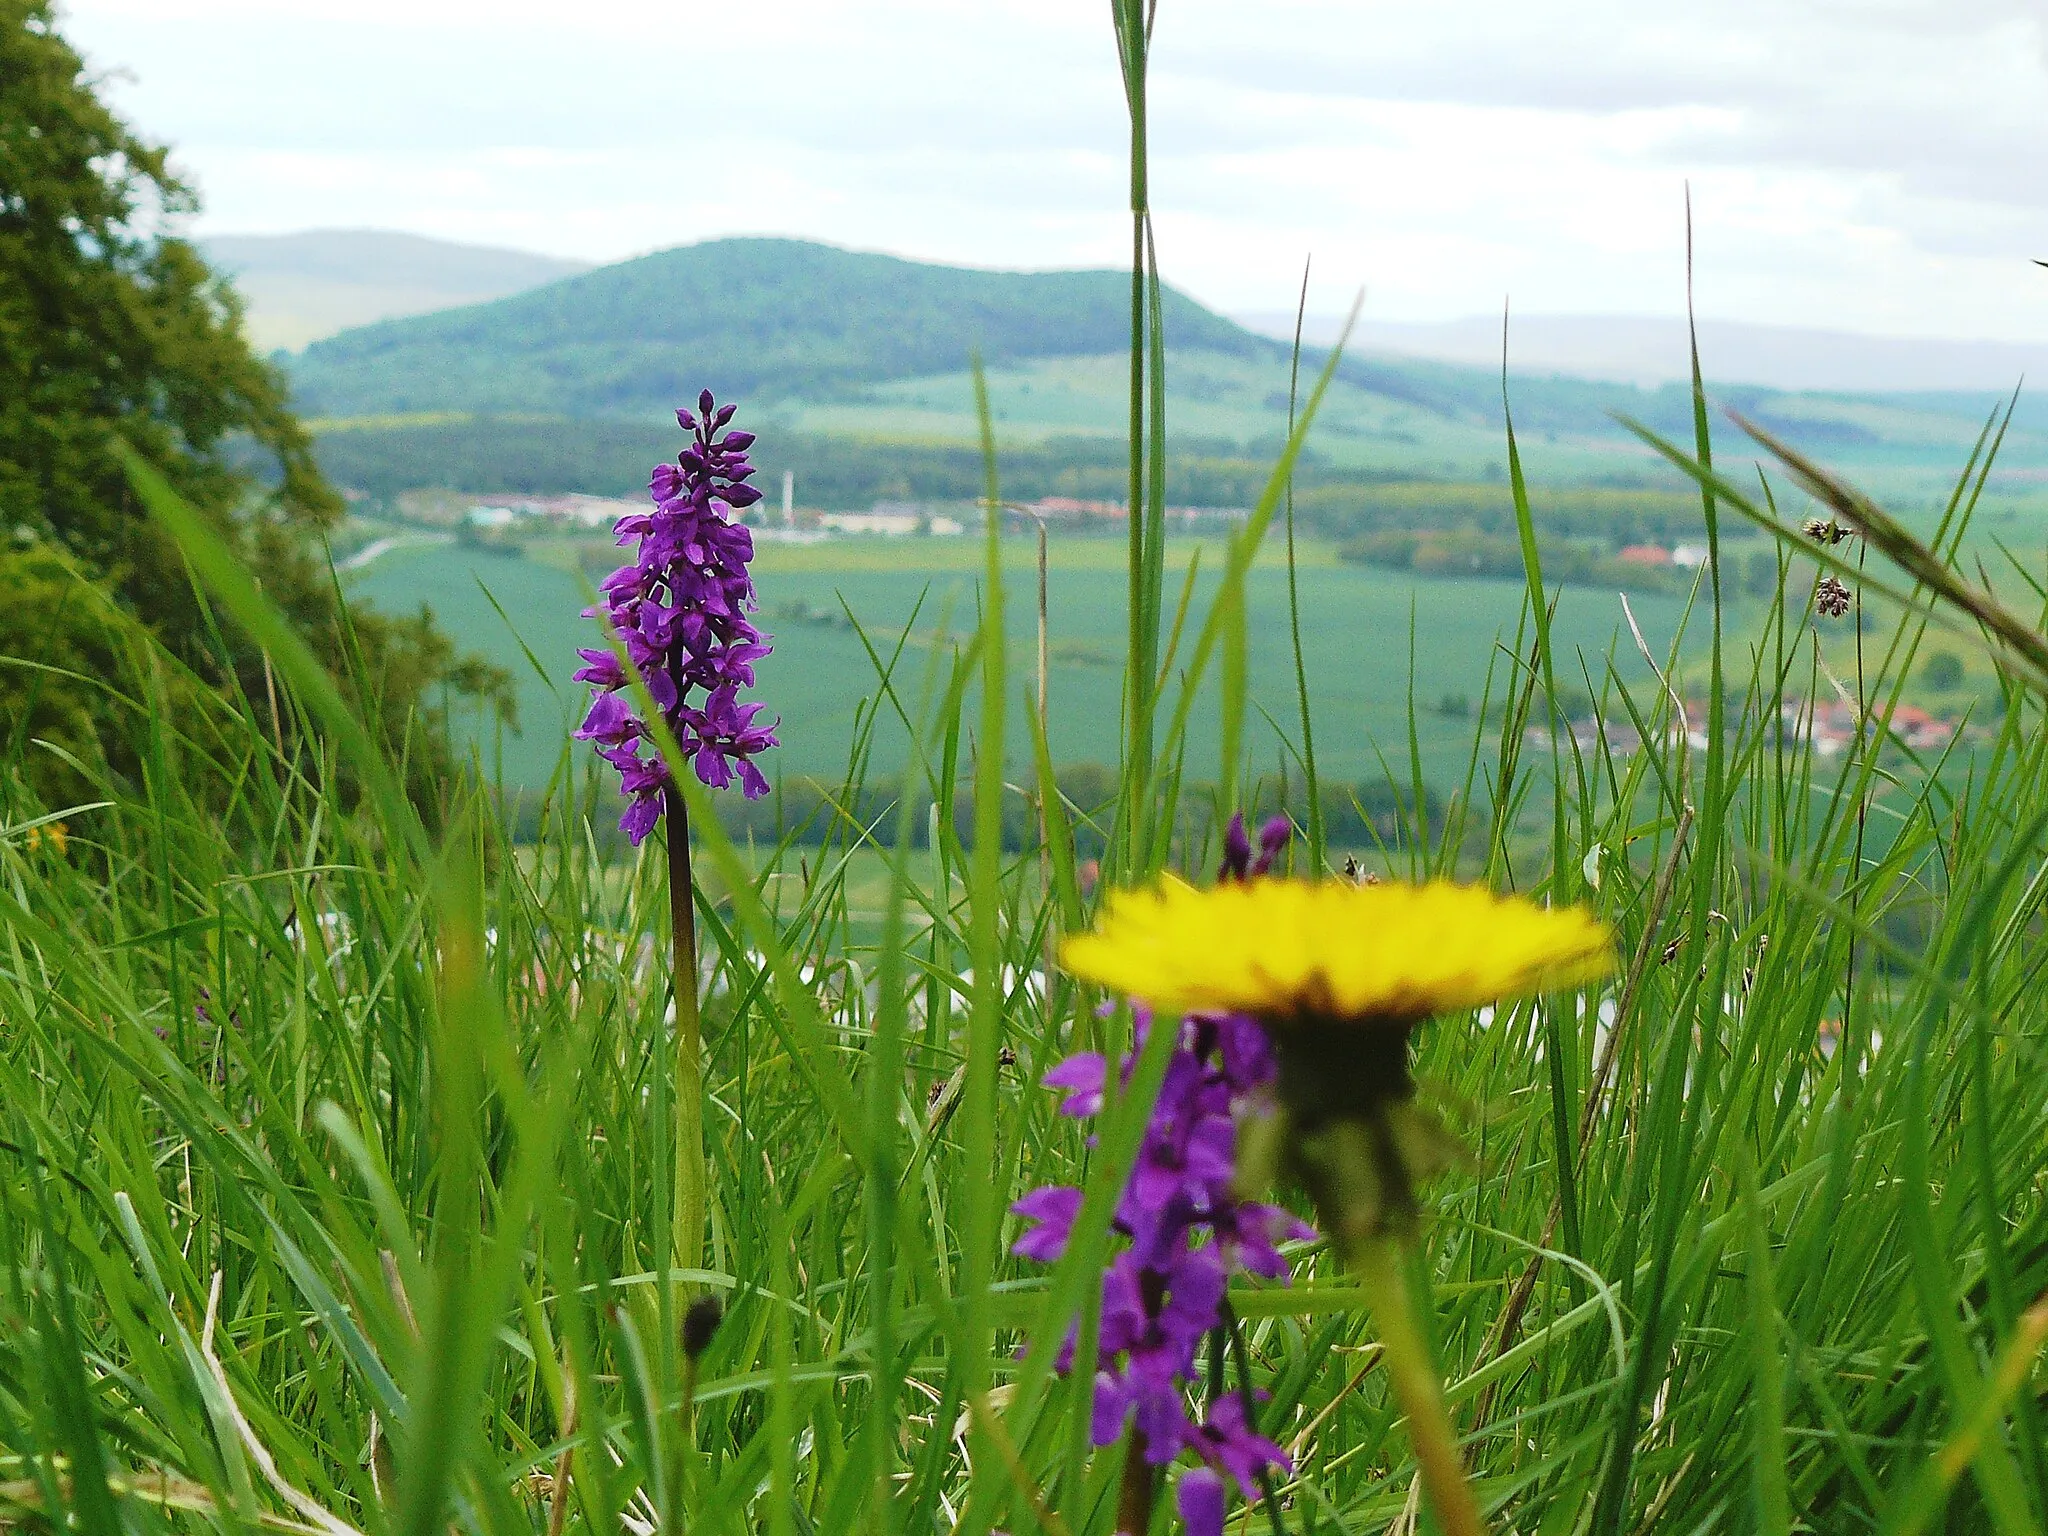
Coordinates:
[1186,1231]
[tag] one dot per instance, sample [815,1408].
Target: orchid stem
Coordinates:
[1233,1329]
[687,1240]
[1134,1495]
[1378,1264]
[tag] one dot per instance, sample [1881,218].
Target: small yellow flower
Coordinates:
[1322,951]
[55,833]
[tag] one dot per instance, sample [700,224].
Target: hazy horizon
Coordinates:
[1871,170]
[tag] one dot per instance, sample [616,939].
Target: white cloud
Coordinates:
[1869,166]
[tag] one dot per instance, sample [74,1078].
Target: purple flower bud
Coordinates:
[603,670]
[1228,1442]
[1273,838]
[611,719]
[1200,1498]
[1238,863]
[1053,1208]
[1237,850]
[640,818]
[1112,1406]
[1083,1077]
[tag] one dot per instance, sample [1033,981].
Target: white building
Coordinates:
[892,524]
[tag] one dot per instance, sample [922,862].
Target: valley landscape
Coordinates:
[851,369]
[768,889]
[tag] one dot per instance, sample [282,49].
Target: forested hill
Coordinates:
[778,318]
[852,345]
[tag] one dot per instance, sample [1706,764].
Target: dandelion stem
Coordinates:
[686,1243]
[1377,1262]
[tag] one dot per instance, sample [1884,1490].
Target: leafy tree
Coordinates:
[56,632]
[1760,573]
[112,327]
[1943,671]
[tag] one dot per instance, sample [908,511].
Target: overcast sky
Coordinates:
[1867,165]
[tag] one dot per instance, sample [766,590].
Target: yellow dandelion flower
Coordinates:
[1301,950]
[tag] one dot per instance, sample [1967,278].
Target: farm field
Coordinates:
[1449,429]
[1357,626]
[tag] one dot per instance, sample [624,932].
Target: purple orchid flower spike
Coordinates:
[678,610]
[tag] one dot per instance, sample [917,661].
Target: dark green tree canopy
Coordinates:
[108,323]
[111,326]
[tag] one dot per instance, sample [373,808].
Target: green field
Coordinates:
[1215,397]
[1368,635]
[1425,420]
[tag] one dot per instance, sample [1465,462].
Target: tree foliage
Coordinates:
[111,326]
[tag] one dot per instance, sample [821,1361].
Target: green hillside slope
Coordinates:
[744,317]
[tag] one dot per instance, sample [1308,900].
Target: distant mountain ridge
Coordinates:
[756,316]
[1652,349]
[314,283]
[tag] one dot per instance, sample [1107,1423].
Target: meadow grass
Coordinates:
[337,1180]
